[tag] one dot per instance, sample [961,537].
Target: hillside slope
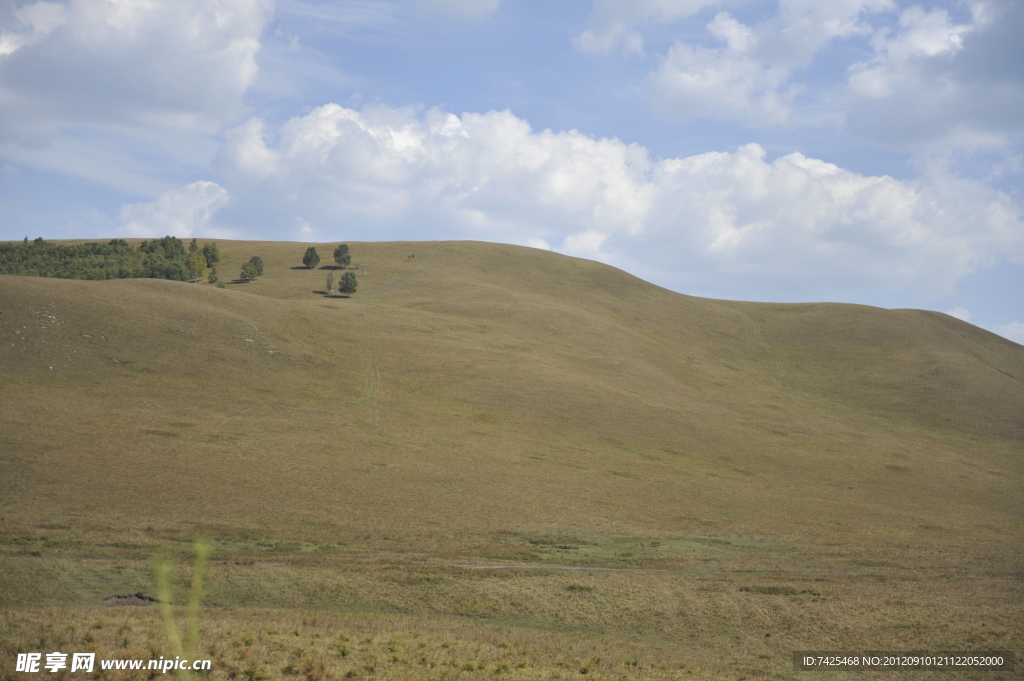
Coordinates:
[719,482]
[495,387]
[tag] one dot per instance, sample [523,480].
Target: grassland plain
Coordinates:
[495,461]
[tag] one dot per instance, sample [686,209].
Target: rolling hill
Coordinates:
[496,434]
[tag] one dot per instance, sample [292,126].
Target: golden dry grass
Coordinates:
[486,405]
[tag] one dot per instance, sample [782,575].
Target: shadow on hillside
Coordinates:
[337,295]
[333,267]
[300,267]
[241,281]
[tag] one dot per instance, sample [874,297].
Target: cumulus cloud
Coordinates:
[697,81]
[936,82]
[182,212]
[939,78]
[750,76]
[123,65]
[383,173]
[482,173]
[924,35]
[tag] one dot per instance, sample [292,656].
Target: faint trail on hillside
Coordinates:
[780,368]
[371,386]
[405,278]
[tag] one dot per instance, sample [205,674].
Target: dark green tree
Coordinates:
[211,254]
[257,262]
[342,256]
[193,247]
[347,283]
[248,271]
[312,258]
[213,278]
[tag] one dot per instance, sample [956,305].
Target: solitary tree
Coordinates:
[196,265]
[193,247]
[257,262]
[347,283]
[212,254]
[248,271]
[312,258]
[330,283]
[341,255]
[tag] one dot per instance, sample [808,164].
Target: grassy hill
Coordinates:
[738,480]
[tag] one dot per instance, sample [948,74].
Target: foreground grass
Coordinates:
[314,645]
[735,619]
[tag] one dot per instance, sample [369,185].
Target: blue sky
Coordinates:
[864,151]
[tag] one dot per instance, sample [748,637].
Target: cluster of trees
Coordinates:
[200,260]
[341,256]
[253,268]
[164,258]
[346,283]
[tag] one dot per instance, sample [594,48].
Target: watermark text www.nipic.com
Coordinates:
[85,662]
[1001,660]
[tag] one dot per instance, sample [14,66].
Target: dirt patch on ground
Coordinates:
[133,599]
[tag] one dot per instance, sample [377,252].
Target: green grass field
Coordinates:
[499,462]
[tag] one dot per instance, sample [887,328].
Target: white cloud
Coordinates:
[822,223]
[36,21]
[484,171]
[1013,331]
[936,83]
[692,82]
[940,78]
[924,35]
[960,313]
[803,27]
[124,73]
[182,212]
[750,77]
[382,173]
[613,24]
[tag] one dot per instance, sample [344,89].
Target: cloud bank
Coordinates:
[386,173]
[937,78]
